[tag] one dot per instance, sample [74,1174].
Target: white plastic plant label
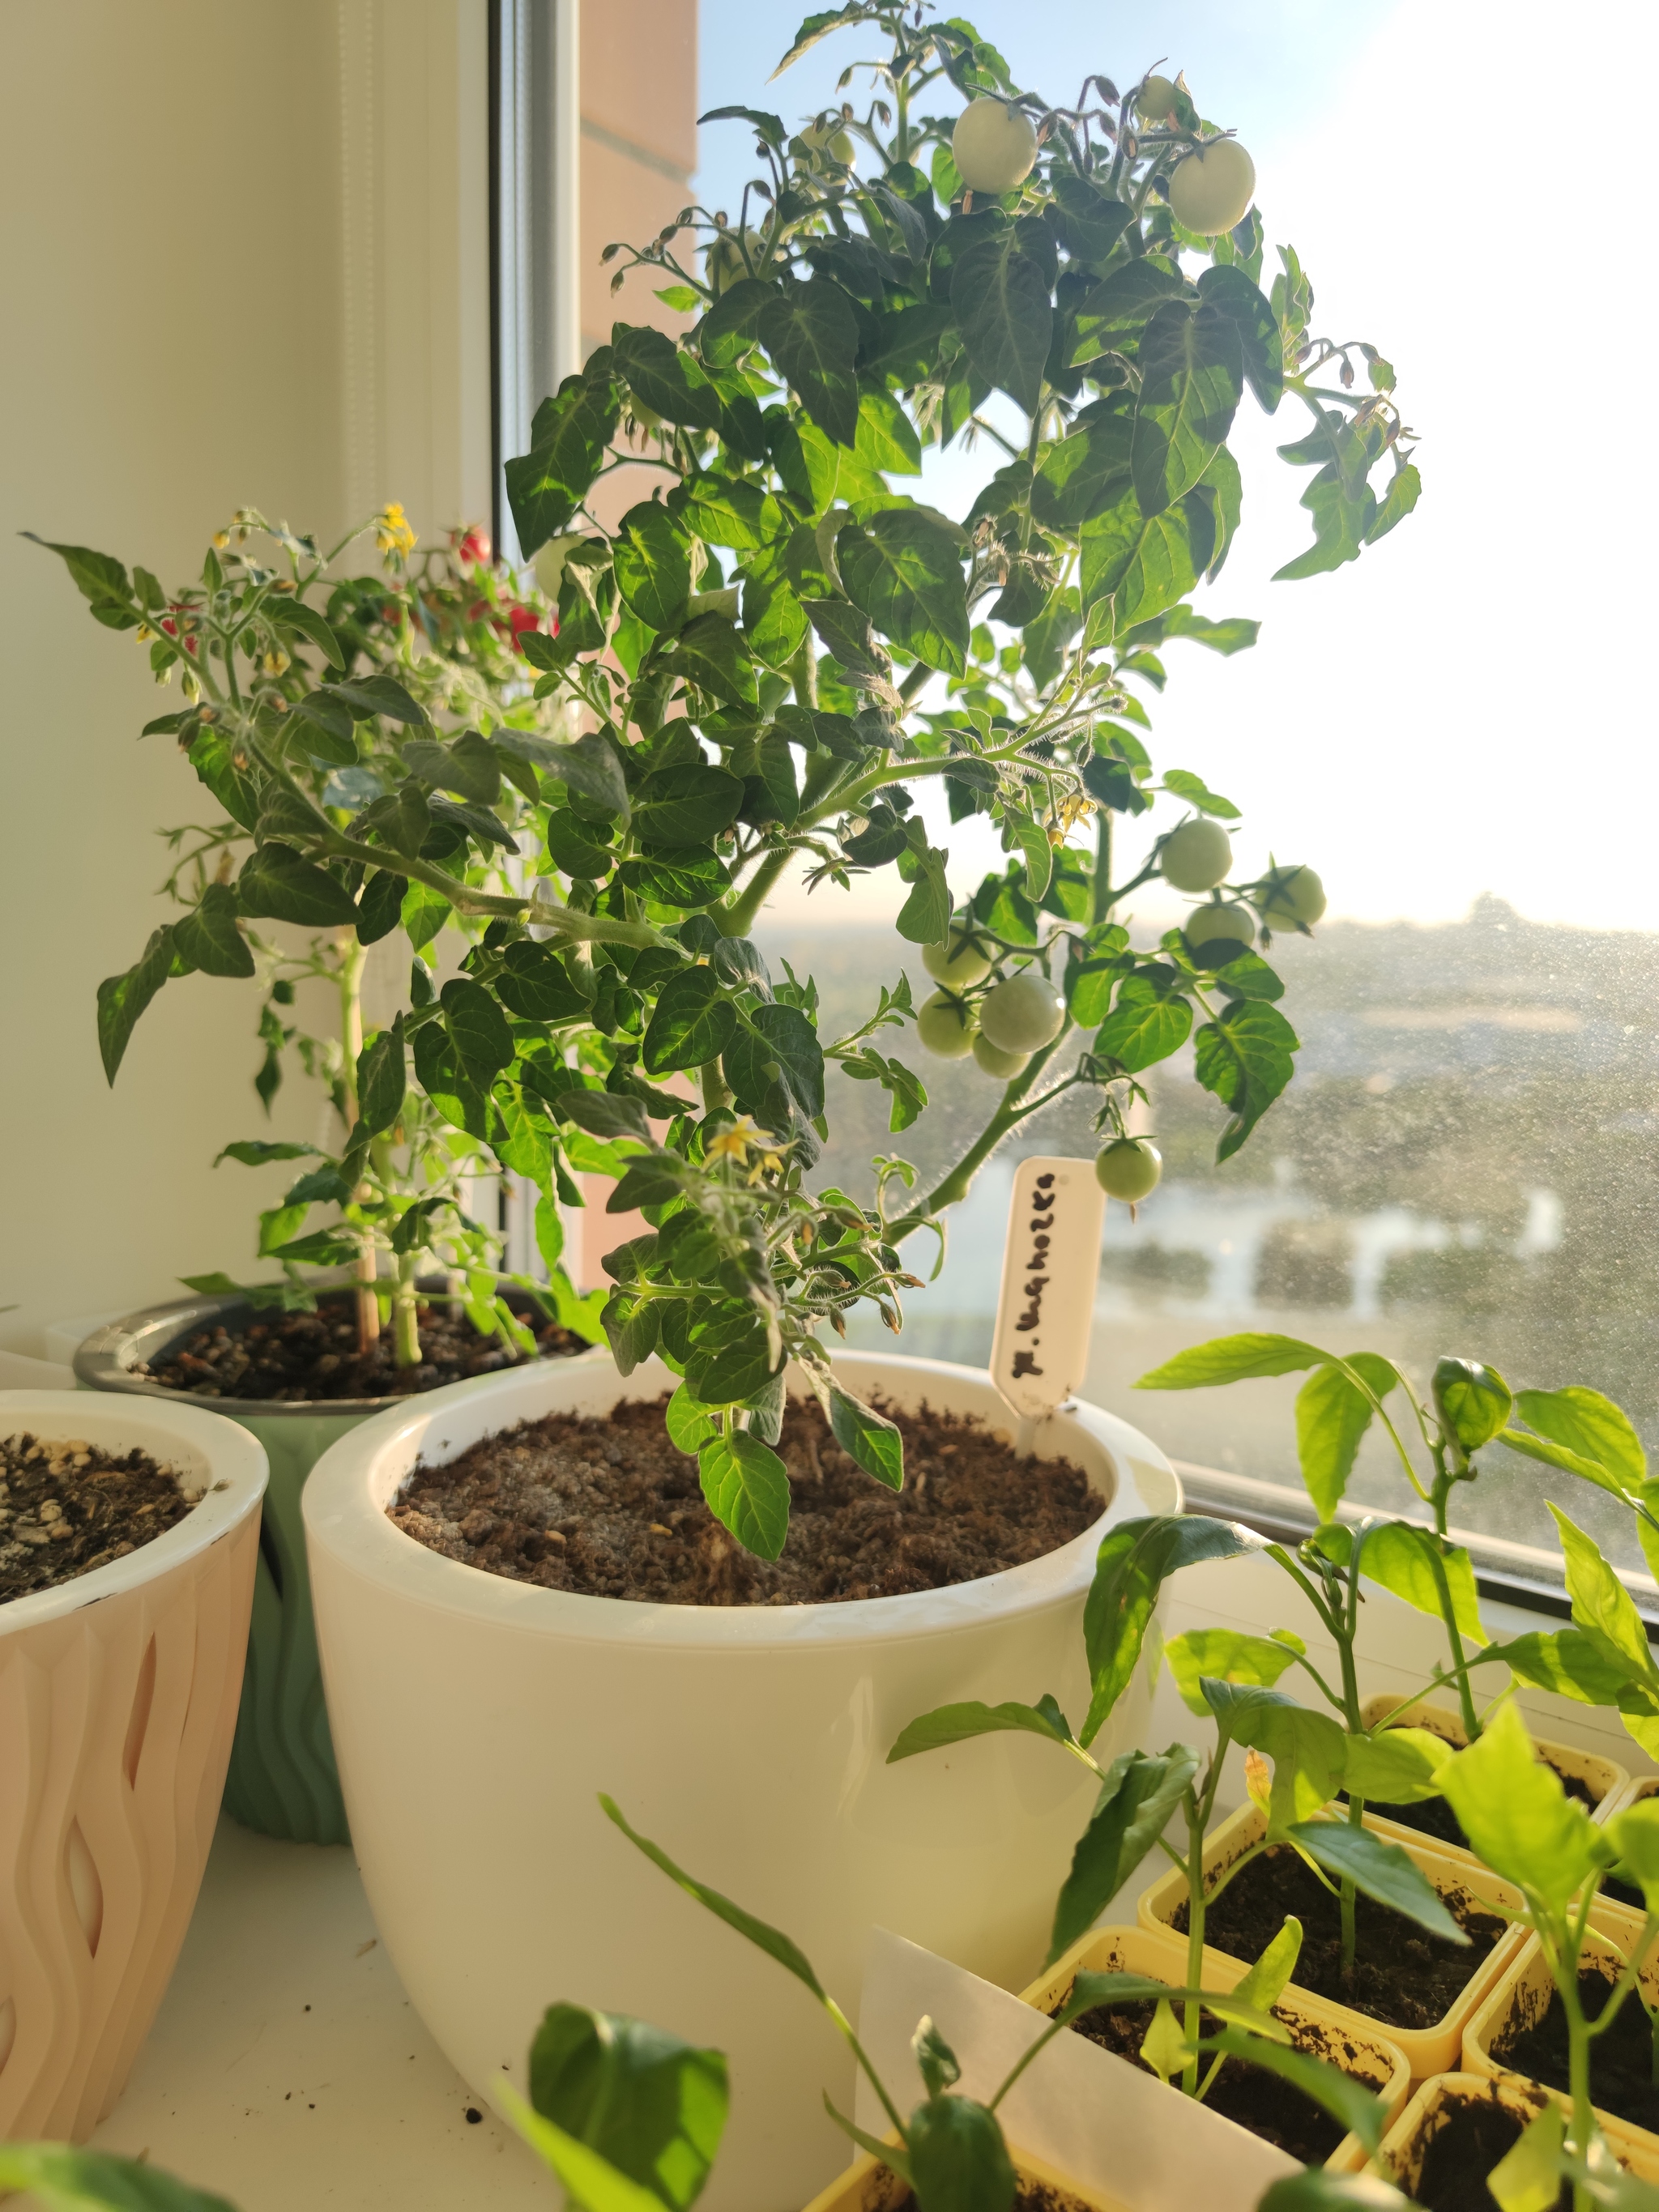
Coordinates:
[1081,2110]
[1045,1311]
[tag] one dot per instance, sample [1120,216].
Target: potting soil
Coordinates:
[1265,2103]
[311,1357]
[1621,2060]
[1474,2134]
[1403,1976]
[613,1509]
[68,1507]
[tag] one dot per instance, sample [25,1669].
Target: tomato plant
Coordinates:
[756,670]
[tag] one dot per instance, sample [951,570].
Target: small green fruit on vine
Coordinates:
[1218,933]
[1213,189]
[1021,1015]
[994,146]
[946,1027]
[957,961]
[1004,1065]
[724,261]
[1197,856]
[828,139]
[1295,895]
[1129,1169]
[1155,101]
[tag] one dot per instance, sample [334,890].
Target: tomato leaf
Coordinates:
[903,567]
[811,334]
[652,560]
[692,1023]
[999,296]
[747,1487]
[1192,380]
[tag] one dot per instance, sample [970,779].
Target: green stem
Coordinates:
[1583,2128]
[407,1334]
[737,919]
[956,1185]
[366,1267]
[714,1091]
[1103,894]
[1348,1898]
[1460,1664]
[1195,1906]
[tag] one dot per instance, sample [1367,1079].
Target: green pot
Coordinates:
[282,1779]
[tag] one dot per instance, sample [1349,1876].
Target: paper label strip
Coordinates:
[1045,1315]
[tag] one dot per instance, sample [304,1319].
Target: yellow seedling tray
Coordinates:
[1427,2050]
[1525,1988]
[867,2186]
[1403,2147]
[1369,2056]
[1607,1781]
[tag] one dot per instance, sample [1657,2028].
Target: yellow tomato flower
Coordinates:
[392,533]
[735,1143]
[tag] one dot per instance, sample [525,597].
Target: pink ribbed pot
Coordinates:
[117,1698]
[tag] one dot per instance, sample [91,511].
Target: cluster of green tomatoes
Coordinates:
[995,147]
[1022,1013]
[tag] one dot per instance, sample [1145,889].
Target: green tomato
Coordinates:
[1218,933]
[946,1027]
[1155,101]
[828,139]
[994,146]
[1022,1014]
[1295,895]
[957,961]
[1129,1169]
[1213,189]
[723,262]
[1197,856]
[1004,1065]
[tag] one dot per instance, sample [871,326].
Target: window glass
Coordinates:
[1455,732]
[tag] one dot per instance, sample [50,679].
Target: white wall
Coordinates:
[244,259]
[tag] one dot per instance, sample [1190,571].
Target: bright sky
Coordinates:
[1469,707]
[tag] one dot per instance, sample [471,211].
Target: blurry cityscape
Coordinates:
[1467,1162]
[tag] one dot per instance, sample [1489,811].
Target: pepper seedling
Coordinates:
[1520,1821]
[1605,1658]
[1314,1756]
[949,2150]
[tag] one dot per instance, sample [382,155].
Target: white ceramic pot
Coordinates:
[477,1719]
[117,1698]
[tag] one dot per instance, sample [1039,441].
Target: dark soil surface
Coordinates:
[612,1508]
[1267,2106]
[1434,1817]
[1403,1977]
[1474,2134]
[66,1507]
[1621,2061]
[313,1358]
